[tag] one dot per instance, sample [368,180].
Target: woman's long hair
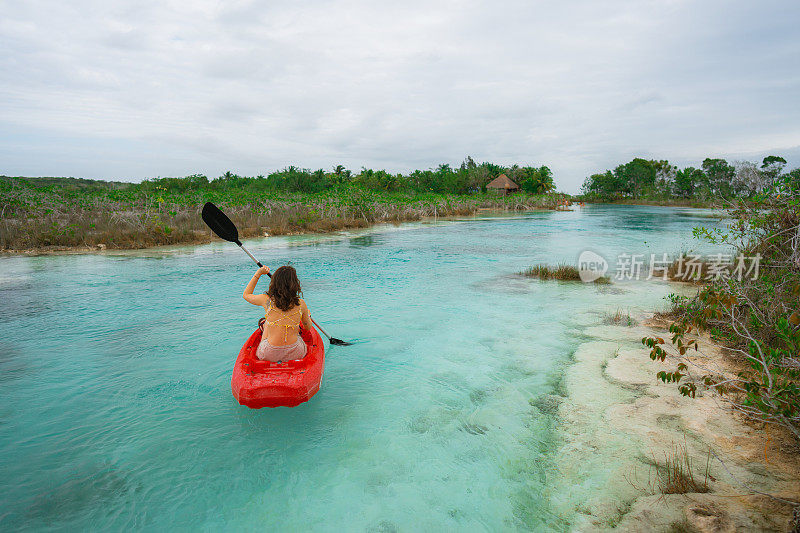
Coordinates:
[284,288]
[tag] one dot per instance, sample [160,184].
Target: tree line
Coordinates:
[469,177]
[659,180]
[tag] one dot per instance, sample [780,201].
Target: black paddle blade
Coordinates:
[220,223]
[339,342]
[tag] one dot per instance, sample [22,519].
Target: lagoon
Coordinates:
[116,410]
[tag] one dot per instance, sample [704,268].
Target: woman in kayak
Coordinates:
[284,311]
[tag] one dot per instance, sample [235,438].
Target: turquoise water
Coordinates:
[115,370]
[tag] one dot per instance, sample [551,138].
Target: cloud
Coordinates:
[138,89]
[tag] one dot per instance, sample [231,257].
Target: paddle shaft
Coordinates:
[225,229]
[245,250]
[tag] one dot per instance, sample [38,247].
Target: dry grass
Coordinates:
[38,219]
[681,526]
[561,272]
[674,312]
[619,318]
[676,474]
[690,271]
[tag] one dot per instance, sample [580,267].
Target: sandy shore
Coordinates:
[619,418]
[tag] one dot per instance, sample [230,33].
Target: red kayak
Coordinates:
[256,383]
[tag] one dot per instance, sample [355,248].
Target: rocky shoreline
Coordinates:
[619,422]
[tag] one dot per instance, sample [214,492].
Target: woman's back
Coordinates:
[284,311]
[282,327]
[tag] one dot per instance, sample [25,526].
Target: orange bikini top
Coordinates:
[281,322]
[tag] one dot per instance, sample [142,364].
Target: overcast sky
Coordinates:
[135,89]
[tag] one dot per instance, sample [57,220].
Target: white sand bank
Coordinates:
[618,418]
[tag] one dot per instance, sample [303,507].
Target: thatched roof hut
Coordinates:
[502,183]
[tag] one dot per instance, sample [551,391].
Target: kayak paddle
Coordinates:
[225,229]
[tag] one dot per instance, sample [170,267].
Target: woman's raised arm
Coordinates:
[306,317]
[256,299]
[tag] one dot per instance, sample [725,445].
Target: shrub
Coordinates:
[757,318]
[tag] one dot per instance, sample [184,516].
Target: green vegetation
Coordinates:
[758,319]
[38,213]
[562,272]
[470,177]
[651,181]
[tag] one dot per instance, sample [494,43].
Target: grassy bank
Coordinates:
[44,213]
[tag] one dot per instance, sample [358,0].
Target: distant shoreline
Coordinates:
[43,215]
[54,215]
[207,237]
[204,236]
[659,203]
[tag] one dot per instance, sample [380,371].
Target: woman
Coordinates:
[284,311]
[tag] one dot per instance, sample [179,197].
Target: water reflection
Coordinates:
[365,241]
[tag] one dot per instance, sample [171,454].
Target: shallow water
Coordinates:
[115,369]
